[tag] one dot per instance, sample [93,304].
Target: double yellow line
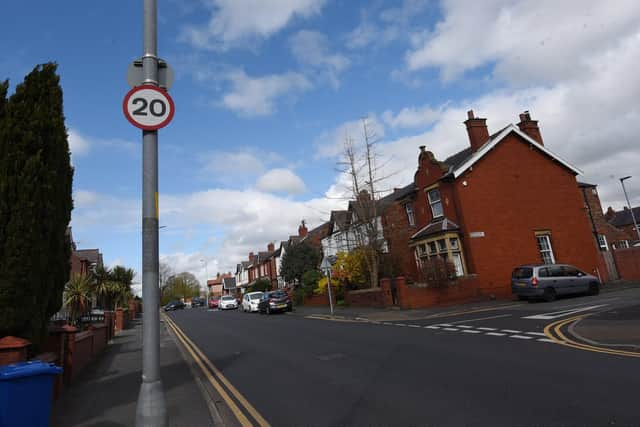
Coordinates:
[554,332]
[218,381]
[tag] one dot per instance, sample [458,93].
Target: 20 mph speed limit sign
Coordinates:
[148,107]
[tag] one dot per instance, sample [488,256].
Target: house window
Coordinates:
[546,252]
[602,242]
[435,202]
[410,217]
[622,244]
[447,248]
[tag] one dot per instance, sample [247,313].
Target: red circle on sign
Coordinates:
[162,92]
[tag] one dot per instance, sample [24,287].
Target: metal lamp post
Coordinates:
[206,279]
[633,217]
[325,266]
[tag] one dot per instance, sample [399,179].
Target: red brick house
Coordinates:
[503,201]
[623,220]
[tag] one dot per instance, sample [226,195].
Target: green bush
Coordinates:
[261,285]
[298,296]
[310,281]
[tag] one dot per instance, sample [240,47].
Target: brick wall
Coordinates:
[319,300]
[465,290]
[397,232]
[82,351]
[511,193]
[367,298]
[628,263]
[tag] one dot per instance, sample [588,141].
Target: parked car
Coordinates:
[197,302]
[274,301]
[214,302]
[227,302]
[250,301]
[547,281]
[174,305]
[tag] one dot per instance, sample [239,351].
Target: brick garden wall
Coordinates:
[628,263]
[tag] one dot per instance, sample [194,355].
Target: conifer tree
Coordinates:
[35,204]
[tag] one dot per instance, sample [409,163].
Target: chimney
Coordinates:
[530,127]
[302,230]
[250,256]
[271,247]
[609,214]
[218,275]
[477,130]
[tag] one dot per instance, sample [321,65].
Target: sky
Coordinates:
[267,91]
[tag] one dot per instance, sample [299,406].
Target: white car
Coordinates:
[227,302]
[250,301]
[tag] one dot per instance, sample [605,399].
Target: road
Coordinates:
[484,366]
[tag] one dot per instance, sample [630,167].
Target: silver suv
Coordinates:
[547,281]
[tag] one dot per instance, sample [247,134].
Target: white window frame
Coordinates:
[437,202]
[548,251]
[602,242]
[622,244]
[408,207]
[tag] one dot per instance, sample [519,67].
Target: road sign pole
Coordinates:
[151,408]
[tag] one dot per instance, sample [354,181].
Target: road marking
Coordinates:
[445,324]
[511,331]
[495,334]
[482,318]
[536,333]
[464,326]
[415,326]
[556,327]
[432,327]
[400,324]
[521,337]
[247,406]
[546,340]
[488,329]
[450,329]
[555,314]
[472,331]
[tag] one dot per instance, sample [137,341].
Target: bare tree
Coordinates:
[365,231]
[165,272]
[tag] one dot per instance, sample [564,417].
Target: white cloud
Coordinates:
[233,162]
[280,180]
[412,117]
[78,144]
[542,41]
[237,22]
[256,96]
[330,144]
[83,198]
[311,49]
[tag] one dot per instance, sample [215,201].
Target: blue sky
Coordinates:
[266,92]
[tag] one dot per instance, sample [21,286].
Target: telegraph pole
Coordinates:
[151,409]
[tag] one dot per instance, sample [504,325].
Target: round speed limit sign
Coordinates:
[148,107]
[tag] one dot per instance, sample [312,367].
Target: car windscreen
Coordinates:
[255,296]
[278,295]
[228,298]
[522,273]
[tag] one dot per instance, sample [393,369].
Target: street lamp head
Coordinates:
[625,178]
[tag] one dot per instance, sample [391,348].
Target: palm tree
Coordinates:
[122,278]
[77,295]
[102,285]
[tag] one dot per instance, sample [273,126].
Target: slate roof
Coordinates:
[623,217]
[91,255]
[435,227]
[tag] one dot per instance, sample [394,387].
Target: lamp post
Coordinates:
[325,266]
[633,217]
[206,278]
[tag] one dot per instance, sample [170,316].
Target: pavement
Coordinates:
[106,392]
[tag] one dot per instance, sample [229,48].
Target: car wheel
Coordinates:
[594,289]
[549,294]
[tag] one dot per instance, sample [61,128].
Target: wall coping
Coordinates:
[364,291]
[13,342]
[83,335]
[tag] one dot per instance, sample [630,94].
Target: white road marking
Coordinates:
[432,327]
[521,337]
[415,326]
[536,333]
[488,329]
[479,319]
[495,334]
[546,340]
[472,331]
[555,314]
[464,326]
[445,324]
[511,331]
[400,324]
[451,329]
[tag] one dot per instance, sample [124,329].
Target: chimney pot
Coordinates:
[470,114]
[422,148]
[530,127]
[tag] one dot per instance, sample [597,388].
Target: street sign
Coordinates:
[148,107]
[135,74]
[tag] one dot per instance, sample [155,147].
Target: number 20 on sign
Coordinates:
[148,107]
